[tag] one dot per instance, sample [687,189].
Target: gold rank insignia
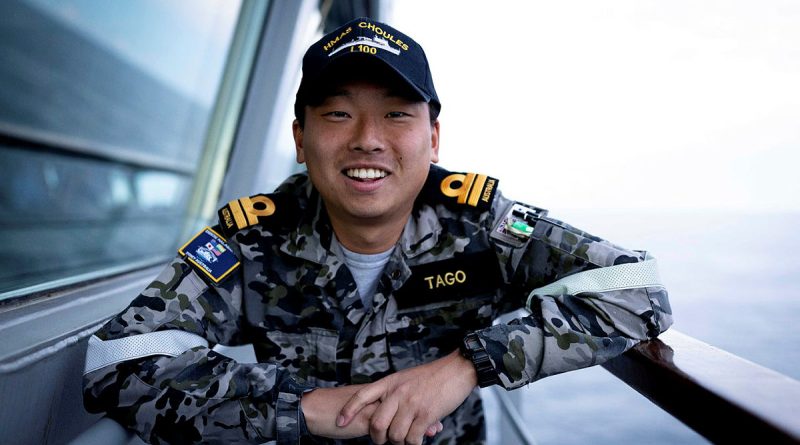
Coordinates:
[471,189]
[245,212]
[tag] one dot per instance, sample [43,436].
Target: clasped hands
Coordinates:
[401,408]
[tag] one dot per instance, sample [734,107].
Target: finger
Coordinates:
[434,429]
[381,420]
[398,430]
[416,431]
[361,398]
[361,420]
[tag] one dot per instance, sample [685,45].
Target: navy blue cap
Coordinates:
[359,41]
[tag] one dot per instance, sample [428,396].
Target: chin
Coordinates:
[373,209]
[367,213]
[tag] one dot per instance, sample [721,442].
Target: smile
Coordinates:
[365,173]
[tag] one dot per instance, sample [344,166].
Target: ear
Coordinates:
[435,141]
[297,132]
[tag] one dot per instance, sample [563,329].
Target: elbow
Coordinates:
[660,318]
[95,398]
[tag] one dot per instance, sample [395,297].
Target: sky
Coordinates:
[632,104]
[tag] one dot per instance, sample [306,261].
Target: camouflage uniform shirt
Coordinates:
[295,300]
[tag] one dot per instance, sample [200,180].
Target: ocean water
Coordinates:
[734,282]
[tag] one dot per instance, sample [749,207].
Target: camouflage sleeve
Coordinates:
[194,394]
[588,300]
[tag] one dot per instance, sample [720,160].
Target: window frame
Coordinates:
[261,28]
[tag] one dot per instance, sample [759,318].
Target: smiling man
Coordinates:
[367,285]
[367,141]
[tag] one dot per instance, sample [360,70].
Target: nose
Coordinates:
[367,136]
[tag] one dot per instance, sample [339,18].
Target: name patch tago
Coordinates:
[456,278]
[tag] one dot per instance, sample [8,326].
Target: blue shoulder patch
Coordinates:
[209,253]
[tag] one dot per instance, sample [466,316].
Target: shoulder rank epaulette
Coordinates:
[459,189]
[268,210]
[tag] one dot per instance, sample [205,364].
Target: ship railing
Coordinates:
[719,395]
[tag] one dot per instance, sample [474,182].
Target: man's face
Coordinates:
[368,152]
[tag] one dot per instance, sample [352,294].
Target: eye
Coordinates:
[397,114]
[336,114]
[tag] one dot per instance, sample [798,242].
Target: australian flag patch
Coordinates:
[209,253]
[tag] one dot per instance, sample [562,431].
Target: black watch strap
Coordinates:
[473,350]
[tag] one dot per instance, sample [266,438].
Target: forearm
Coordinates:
[568,332]
[321,408]
[199,394]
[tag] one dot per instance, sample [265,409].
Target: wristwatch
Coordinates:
[473,350]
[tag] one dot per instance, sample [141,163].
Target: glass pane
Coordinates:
[115,75]
[62,215]
[104,106]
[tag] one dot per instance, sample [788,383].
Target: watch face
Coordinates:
[472,341]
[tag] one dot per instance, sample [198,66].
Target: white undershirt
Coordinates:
[366,270]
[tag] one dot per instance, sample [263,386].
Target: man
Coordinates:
[367,286]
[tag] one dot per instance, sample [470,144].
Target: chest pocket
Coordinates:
[310,356]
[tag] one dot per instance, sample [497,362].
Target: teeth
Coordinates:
[366,173]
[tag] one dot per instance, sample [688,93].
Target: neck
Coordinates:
[368,237]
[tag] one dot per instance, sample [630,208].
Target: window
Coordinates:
[104,111]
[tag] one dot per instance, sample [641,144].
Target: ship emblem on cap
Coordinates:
[375,42]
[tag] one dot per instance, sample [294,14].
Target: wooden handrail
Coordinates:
[721,396]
